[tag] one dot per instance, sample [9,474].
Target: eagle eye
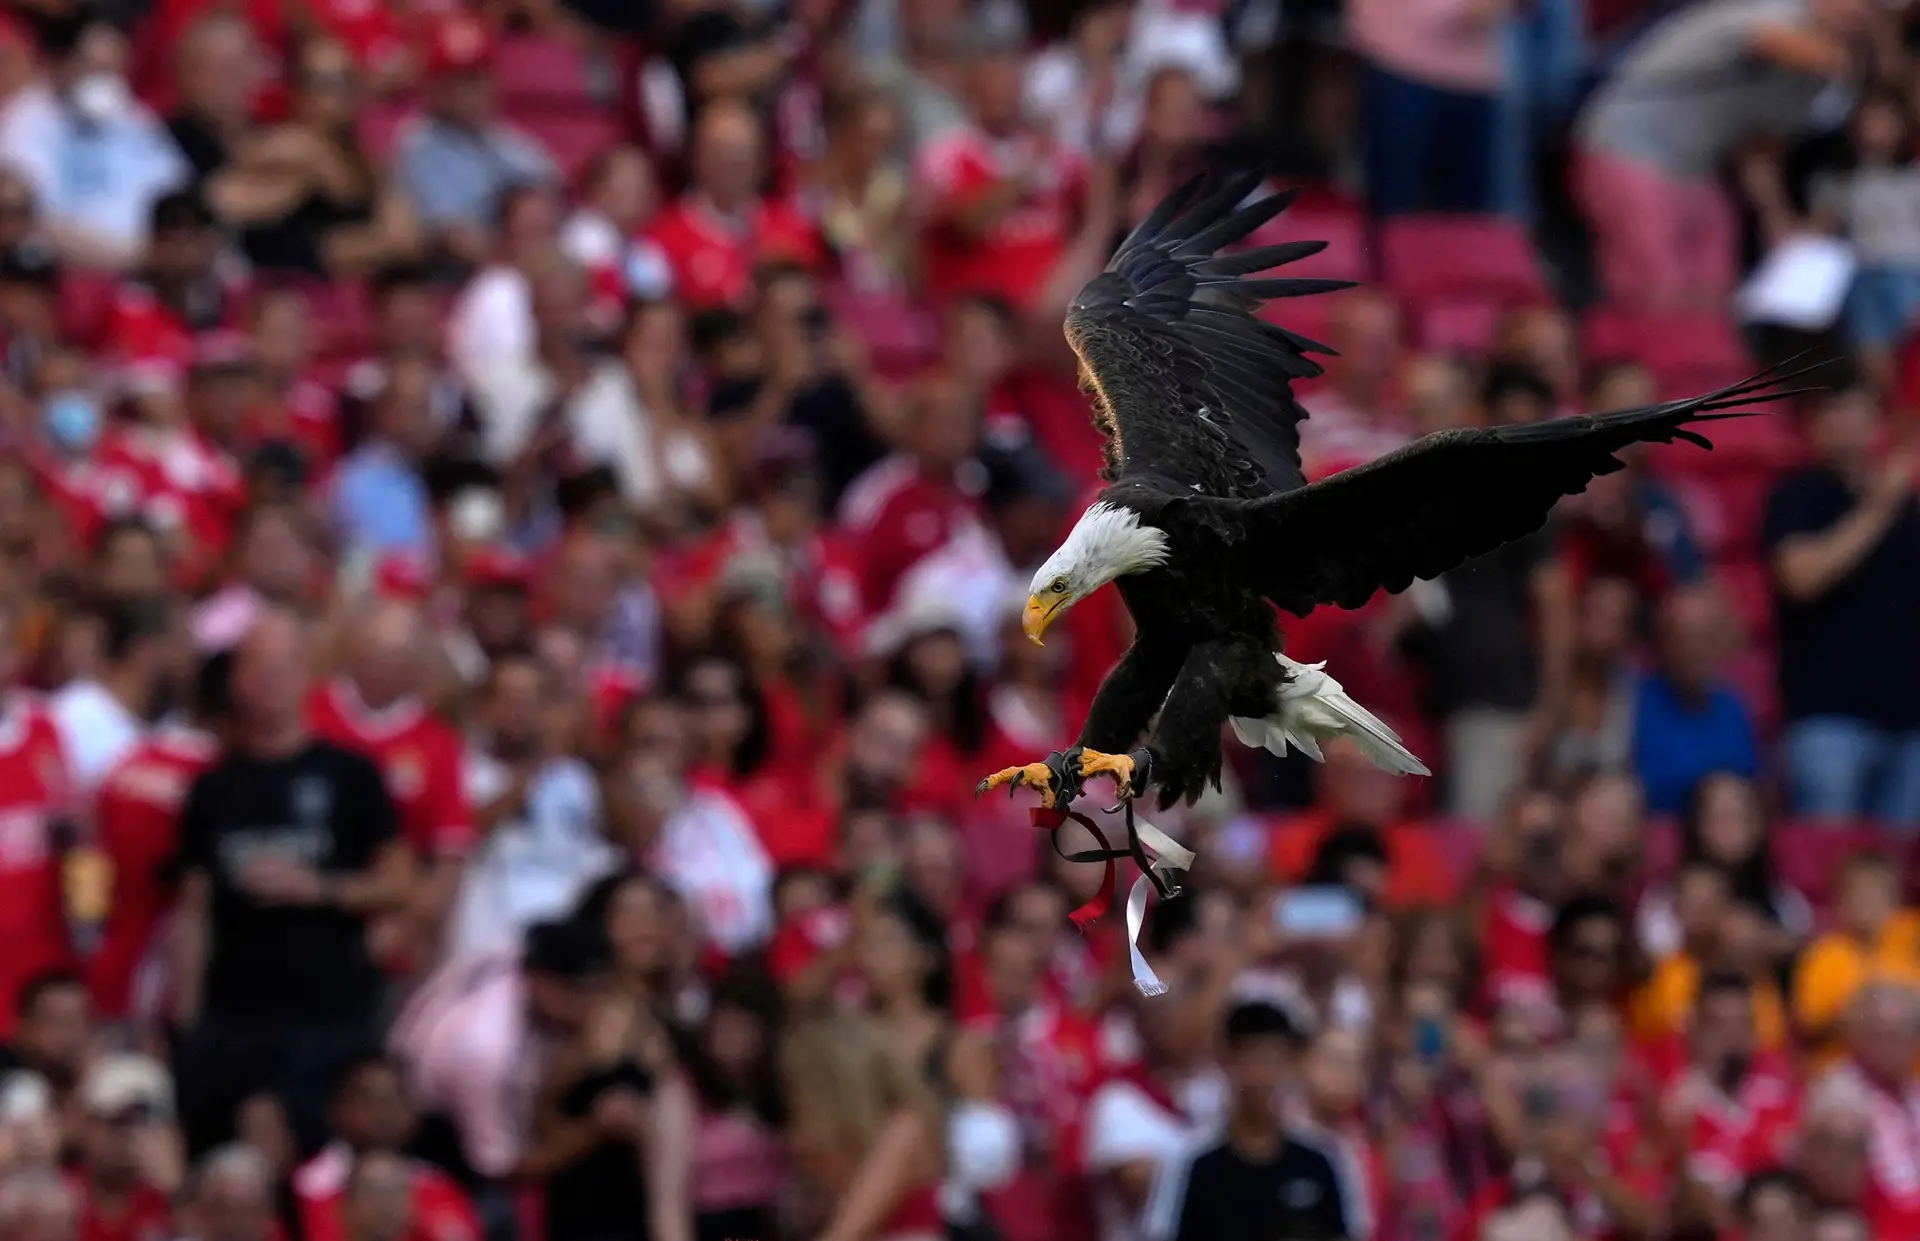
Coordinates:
[1059,585]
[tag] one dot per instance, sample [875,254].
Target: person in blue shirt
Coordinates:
[381,504]
[1687,719]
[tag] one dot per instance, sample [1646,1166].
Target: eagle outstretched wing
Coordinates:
[1447,498]
[1190,388]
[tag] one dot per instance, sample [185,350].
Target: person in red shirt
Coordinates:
[136,821]
[295,408]
[716,234]
[911,503]
[35,794]
[1733,1112]
[152,322]
[1002,197]
[121,1098]
[371,1116]
[376,707]
[1877,1083]
[1523,859]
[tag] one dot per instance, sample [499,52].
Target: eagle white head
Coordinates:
[1107,542]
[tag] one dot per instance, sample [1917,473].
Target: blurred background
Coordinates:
[512,528]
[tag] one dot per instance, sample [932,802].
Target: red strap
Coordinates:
[1052,820]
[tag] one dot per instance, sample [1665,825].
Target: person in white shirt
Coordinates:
[98,159]
[543,808]
[142,677]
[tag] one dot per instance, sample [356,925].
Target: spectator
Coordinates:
[492,319]
[1000,195]
[1723,823]
[287,844]
[274,566]
[1840,536]
[380,706]
[911,503]
[1874,938]
[1598,729]
[1432,104]
[1877,1078]
[29,293]
[219,69]
[1886,290]
[723,228]
[1652,141]
[230,1196]
[37,1205]
[458,162]
[539,808]
[1730,1147]
[1226,1189]
[1716,936]
[371,1117]
[863,1129]
[97,158]
[1687,721]
[102,721]
[476,1038]
[136,820]
[34,794]
[129,1151]
[618,199]
[694,836]
[1773,1206]
[859,192]
[321,209]
[380,500]
[52,1032]
[154,322]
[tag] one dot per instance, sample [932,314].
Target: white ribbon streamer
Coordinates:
[1169,856]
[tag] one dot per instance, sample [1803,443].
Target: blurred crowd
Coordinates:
[513,522]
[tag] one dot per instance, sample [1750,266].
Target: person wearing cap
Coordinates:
[98,159]
[127,1162]
[458,160]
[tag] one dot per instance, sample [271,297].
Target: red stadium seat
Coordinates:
[1687,353]
[1460,274]
[1809,853]
[1320,218]
[546,88]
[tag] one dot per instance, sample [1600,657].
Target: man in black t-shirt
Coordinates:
[1843,543]
[288,847]
[1256,1181]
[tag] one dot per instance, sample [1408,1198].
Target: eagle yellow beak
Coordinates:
[1038,616]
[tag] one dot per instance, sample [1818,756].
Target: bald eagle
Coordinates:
[1207,521]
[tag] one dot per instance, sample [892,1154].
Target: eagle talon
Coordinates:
[1037,776]
[1118,766]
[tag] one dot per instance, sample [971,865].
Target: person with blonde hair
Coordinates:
[864,1128]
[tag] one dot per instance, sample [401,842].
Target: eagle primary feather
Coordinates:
[1195,395]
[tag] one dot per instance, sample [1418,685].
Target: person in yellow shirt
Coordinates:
[1873,939]
[1716,935]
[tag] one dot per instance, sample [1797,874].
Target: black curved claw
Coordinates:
[1142,777]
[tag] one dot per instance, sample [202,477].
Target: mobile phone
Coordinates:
[1430,1039]
[1317,912]
[1540,1102]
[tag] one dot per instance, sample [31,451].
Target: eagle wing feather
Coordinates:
[1189,386]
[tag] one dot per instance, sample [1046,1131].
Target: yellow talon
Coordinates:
[1119,766]
[1036,776]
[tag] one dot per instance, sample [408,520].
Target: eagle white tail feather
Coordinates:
[1314,708]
